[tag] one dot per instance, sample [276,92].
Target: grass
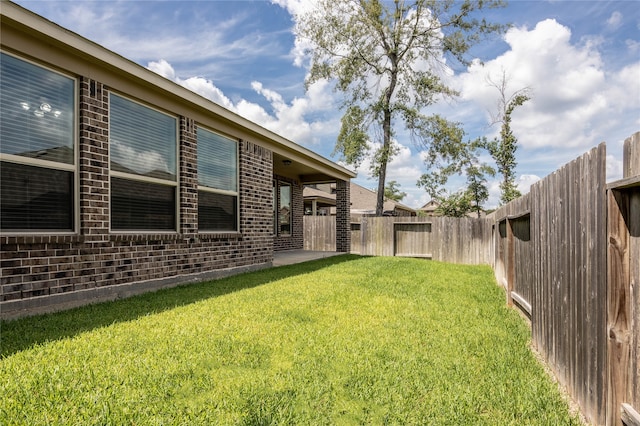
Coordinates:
[343,340]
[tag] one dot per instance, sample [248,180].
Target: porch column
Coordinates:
[343,217]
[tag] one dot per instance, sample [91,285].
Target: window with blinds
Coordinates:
[217,182]
[37,149]
[143,152]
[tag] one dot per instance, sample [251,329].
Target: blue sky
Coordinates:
[580,59]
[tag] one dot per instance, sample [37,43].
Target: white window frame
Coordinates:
[122,175]
[36,162]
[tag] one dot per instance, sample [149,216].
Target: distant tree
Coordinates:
[477,183]
[392,191]
[387,59]
[503,149]
[457,204]
[450,155]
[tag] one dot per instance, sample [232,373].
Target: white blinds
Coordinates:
[217,161]
[142,140]
[36,111]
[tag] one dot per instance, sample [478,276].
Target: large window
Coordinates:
[37,148]
[217,182]
[143,150]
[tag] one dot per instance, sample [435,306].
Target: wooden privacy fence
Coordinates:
[440,238]
[568,255]
[557,273]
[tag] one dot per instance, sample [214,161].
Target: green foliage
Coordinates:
[352,140]
[449,155]
[344,340]
[458,204]
[392,191]
[503,151]
[386,59]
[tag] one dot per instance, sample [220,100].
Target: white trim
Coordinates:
[45,164]
[140,178]
[217,191]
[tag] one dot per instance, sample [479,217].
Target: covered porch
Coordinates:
[293,170]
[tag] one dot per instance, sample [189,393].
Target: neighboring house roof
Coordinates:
[64,47]
[320,196]
[363,200]
[429,207]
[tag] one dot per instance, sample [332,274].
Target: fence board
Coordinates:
[558,267]
[319,233]
[446,239]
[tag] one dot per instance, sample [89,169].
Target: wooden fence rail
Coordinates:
[567,254]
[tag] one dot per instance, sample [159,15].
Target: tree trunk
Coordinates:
[386,136]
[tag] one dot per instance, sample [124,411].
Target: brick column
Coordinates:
[343,217]
[94,161]
[188,178]
[256,200]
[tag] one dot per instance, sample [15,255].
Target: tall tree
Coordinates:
[388,60]
[503,149]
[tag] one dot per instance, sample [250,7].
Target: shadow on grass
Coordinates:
[18,335]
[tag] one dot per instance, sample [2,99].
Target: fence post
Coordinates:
[631,159]
[623,285]
[618,305]
[631,156]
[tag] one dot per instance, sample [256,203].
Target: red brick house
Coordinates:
[115,181]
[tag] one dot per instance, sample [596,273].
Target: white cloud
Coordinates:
[615,20]
[296,8]
[286,119]
[614,168]
[633,46]
[524,182]
[405,168]
[577,102]
[199,85]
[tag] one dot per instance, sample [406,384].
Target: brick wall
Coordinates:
[50,272]
[343,217]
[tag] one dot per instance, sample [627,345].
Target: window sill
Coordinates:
[143,236]
[41,239]
[220,235]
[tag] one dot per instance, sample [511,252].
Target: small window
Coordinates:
[37,149]
[217,182]
[143,151]
[284,209]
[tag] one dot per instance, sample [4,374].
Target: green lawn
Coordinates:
[343,340]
